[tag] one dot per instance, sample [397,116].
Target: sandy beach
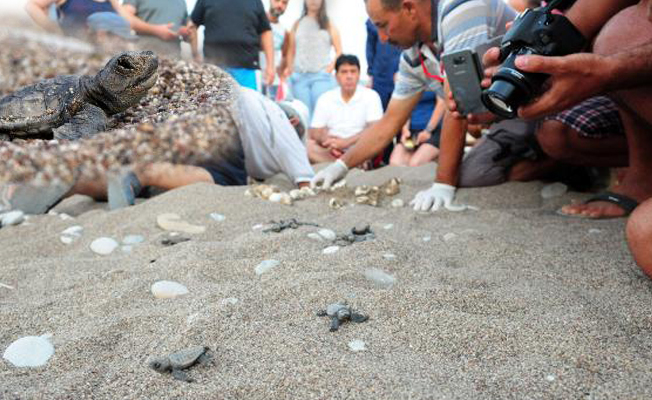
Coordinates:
[509,301]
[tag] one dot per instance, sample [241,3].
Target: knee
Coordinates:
[553,139]
[398,158]
[639,234]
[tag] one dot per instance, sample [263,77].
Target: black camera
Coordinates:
[535,32]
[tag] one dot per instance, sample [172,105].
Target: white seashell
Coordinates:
[449,236]
[12,218]
[286,199]
[315,236]
[217,217]
[266,266]
[66,239]
[427,238]
[297,194]
[73,231]
[388,227]
[380,277]
[133,239]
[362,190]
[307,190]
[327,234]
[248,193]
[275,197]
[392,187]
[357,345]
[257,227]
[103,246]
[331,250]
[267,192]
[29,351]
[550,378]
[173,222]
[168,290]
[398,203]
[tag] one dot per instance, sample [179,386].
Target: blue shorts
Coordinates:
[244,76]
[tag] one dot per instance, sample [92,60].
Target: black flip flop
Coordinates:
[626,203]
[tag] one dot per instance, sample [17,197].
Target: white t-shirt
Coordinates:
[270,143]
[345,119]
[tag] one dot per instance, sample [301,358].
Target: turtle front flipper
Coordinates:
[85,123]
[356,317]
[181,375]
[335,323]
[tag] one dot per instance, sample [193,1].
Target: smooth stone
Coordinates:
[66,239]
[29,351]
[104,246]
[327,234]
[127,248]
[357,345]
[550,378]
[282,198]
[449,236]
[218,217]
[315,236]
[173,222]
[133,239]
[427,238]
[331,249]
[73,231]
[398,203]
[389,256]
[595,231]
[230,301]
[257,227]
[266,265]
[12,218]
[380,277]
[168,290]
[554,190]
[388,227]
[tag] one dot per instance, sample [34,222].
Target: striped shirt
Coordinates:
[456,25]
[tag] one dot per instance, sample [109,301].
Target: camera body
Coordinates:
[535,32]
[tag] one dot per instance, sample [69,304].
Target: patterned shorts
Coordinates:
[595,118]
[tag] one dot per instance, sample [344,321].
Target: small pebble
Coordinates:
[257,227]
[327,234]
[595,231]
[554,190]
[4,285]
[12,218]
[266,266]
[398,203]
[331,249]
[218,217]
[71,234]
[29,351]
[133,239]
[168,290]
[357,345]
[380,277]
[231,301]
[389,256]
[550,378]
[104,246]
[388,227]
[427,238]
[127,249]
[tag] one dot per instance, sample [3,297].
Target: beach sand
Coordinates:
[520,303]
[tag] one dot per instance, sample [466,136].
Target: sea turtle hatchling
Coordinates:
[78,106]
[176,363]
[339,313]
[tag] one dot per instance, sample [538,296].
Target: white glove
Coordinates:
[330,174]
[440,194]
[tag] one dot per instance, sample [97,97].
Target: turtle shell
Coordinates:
[187,357]
[40,107]
[333,309]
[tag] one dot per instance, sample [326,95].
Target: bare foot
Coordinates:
[632,185]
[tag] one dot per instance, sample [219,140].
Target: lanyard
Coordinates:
[425,70]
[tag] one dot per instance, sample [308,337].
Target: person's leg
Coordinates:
[639,236]
[424,154]
[318,154]
[301,89]
[400,156]
[630,28]
[320,83]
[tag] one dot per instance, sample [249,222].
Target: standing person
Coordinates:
[235,32]
[159,23]
[314,37]
[282,43]
[72,14]
[382,62]
[342,113]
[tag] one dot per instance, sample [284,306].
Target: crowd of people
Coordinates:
[593,113]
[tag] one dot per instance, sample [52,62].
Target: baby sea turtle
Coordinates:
[74,106]
[176,363]
[339,313]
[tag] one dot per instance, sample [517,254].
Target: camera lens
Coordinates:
[511,88]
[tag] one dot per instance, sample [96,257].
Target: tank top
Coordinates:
[313,46]
[73,13]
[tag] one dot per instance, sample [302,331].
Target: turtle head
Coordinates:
[160,365]
[125,80]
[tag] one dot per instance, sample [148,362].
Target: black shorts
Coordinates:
[435,138]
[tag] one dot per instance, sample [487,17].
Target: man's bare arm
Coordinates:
[589,16]
[164,31]
[375,138]
[38,11]
[267,44]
